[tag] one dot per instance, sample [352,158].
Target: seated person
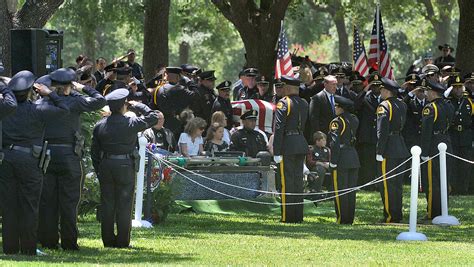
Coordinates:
[214,139]
[190,142]
[162,137]
[317,161]
[247,139]
[219,117]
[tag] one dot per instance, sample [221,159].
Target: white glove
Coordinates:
[277,159]
[306,171]
[333,165]
[136,81]
[379,157]
[416,62]
[425,158]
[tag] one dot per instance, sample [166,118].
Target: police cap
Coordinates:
[262,80]
[413,78]
[188,68]
[390,84]
[45,79]
[21,81]
[225,85]
[430,69]
[207,75]
[288,80]
[430,85]
[116,98]
[343,102]
[374,78]
[455,80]
[63,76]
[249,115]
[123,71]
[251,72]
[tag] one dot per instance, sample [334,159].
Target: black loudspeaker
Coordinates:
[36,50]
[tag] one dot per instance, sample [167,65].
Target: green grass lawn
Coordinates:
[252,239]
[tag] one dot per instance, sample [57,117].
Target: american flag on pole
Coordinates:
[379,57]
[358,55]
[283,63]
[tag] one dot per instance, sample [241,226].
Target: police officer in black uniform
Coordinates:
[366,105]
[415,101]
[437,117]
[249,90]
[26,158]
[63,180]
[115,159]
[264,93]
[247,139]
[7,105]
[290,148]
[391,149]
[461,135]
[344,162]
[222,102]
[278,91]
[205,96]
[172,98]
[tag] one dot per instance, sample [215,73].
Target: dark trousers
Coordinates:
[20,190]
[391,190]
[59,201]
[315,182]
[431,186]
[368,165]
[344,203]
[117,185]
[461,170]
[291,172]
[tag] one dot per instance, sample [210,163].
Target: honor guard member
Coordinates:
[247,139]
[366,105]
[115,158]
[63,180]
[460,133]
[222,102]
[278,85]
[391,149]
[205,96]
[264,93]
[437,117]
[171,99]
[26,159]
[290,148]
[344,162]
[249,91]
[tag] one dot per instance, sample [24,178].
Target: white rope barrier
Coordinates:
[460,158]
[280,204]
[278,193]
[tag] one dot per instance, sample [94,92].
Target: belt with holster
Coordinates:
[19,148]
[293,132]
[118,156]
[60,145]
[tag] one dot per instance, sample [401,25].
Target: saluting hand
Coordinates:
[78,86]
[42,89]
[132,102]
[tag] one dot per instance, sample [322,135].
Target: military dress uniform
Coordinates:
[21,177]
[289,142]
[391,150]
[115,159]
[437,116]
[461,136]
[246,140]
[64,178]
[366,105]
[344,160]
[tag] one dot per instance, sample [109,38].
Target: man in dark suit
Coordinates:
[321,108]
[100,64]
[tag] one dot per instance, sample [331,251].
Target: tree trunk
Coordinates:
[258,27]
[88,37]
[183,53]
[344,50]
[465,53]
[155,47]
[33,14]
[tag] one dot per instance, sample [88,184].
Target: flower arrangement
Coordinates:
[163,196]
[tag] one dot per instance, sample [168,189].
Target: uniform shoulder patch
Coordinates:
[426,111]
[380,110]
[334,126]
[279,105]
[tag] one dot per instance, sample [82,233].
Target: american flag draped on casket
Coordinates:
[265,112]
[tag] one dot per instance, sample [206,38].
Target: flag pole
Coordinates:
[353,37]
[378,33]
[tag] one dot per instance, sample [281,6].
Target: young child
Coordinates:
[317,161]
[214,139]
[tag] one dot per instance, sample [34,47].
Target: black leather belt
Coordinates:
[122,156]
[293,132]
[60,145]
[18,148]
[439,132]
[458,128]
[394,133]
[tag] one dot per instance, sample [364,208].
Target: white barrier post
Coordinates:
[138,222]
[412,235]
[444,219]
